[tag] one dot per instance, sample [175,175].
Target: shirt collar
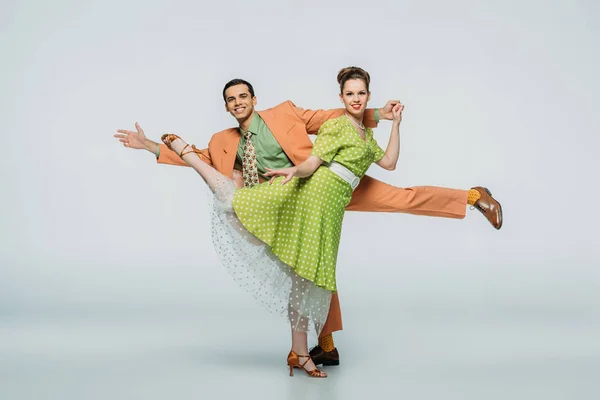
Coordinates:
[253,128]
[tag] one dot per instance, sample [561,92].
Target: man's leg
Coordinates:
[326,353]
[375,196]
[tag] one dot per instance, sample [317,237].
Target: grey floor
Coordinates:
[443,349]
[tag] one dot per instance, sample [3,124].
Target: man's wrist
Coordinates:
[151,146]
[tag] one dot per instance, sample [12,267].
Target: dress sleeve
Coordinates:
[327,143]
[378,152]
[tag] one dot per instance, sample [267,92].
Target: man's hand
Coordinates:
[386,111]
[136,140]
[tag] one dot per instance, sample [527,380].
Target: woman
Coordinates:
[280,239]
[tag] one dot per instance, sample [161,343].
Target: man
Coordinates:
[278,138]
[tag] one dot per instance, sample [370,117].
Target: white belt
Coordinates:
[344,173]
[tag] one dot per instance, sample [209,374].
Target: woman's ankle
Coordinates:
[178,145]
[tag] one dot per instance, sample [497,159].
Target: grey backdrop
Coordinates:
[109,285]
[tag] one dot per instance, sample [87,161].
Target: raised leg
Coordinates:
[215,180]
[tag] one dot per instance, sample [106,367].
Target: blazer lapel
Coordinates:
[279,127]
[228,152]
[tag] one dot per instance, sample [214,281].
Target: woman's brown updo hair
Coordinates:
[348,73]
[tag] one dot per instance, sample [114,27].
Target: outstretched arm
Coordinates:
[392,152]
[138,140]
[313,119]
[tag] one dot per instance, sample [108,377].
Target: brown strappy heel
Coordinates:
[293,361]
[169,138]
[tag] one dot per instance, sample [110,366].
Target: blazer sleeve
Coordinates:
[313,119]
[168,156]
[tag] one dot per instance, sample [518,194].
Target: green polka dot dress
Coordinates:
[301,221]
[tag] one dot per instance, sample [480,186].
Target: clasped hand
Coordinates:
[397,112]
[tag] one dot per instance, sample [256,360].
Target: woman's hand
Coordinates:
[397,113]
[287,172]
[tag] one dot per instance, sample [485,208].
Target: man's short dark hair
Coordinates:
[235,82]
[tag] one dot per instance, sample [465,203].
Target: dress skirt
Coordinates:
[280,242]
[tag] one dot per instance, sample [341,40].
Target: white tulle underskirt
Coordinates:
[253,266]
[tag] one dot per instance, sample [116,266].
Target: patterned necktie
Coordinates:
[249,167]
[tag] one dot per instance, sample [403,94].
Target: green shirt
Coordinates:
[269,153]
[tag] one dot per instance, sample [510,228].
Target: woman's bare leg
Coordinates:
[211,176]
[299,324]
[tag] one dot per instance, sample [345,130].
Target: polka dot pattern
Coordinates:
[301,221]
[252,264]
[473,196]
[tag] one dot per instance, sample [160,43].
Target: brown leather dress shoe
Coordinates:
[319,356]
[489,207]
